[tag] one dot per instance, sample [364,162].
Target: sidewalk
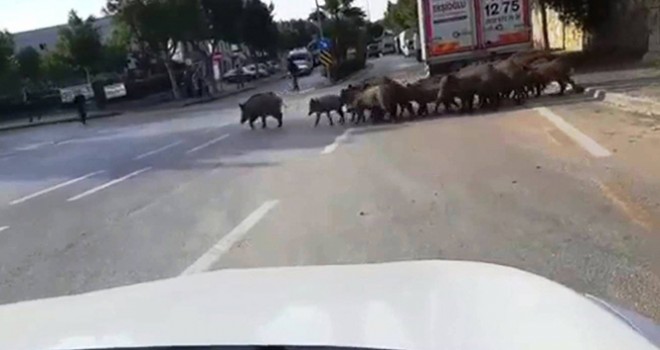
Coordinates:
[151,103]
[635,89]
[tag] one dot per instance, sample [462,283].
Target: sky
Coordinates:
[22,15]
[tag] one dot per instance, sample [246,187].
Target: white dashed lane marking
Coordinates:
[4,228]
[53,188]
[159,150]
[207,144]
[206,261]
[108,184]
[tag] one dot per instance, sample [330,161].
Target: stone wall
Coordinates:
[563,36]
[627,32]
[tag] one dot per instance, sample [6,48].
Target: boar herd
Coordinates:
[483,85]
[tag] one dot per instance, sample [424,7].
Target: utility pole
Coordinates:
[368,10]
[318,19]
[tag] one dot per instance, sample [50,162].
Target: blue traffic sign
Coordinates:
[325,44]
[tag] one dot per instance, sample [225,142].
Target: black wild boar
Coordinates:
[513,85]
[401,94]
[423,92]
[261,106]
[559,70]
[326,104]
[479,80]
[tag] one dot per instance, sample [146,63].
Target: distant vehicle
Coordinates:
[407,42]
[232,75]
[373,50]
[259,70]
[273,66]
[387,45]
[454,33]
[264,68]
[303,59]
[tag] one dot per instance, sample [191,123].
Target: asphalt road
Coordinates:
[547,188]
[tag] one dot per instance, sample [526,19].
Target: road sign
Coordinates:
[325,44]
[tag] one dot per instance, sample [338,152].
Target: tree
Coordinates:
[224,18]
[56,69]
[258,28]
[588,14]
[401,15]
[29,63]
[10,82]
[345,26]
[116,50]
[80,44]
[544,24]
[295,33]
[155,25]
[6,50]
[375,30]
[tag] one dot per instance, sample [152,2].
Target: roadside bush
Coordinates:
[148,86]
[346,68]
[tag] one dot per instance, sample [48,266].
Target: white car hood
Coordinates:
[410,305]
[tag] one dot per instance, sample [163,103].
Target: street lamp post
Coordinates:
[318,19]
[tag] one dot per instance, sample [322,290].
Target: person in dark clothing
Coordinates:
[80,102]
[293,70]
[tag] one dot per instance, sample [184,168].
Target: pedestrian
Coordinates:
[240,76]
[293,70]
[80,102]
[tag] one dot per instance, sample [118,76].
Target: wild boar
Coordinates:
[377,99]
[326,104]
[559,70]
[401,94]
[261,106]
[424,92]
[348,95]
[479,80]
[514,83]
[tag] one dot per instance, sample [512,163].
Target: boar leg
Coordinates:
[278,116]
[342,118]
[422,109]
[318,118]
[577,88]
[329,118]
[263,122]
[252,123]
[408,106]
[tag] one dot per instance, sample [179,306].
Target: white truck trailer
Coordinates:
[456,32]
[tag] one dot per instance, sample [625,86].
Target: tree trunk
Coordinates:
[170,72]
[210,75]
[544,24]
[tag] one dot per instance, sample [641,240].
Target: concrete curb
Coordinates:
[58,121]
[216,98]
[640,105]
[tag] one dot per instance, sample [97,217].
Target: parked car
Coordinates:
[264,68]
[388,48]
[257,70]
[373,50]
[303,59]
[273,66]
[232,75]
